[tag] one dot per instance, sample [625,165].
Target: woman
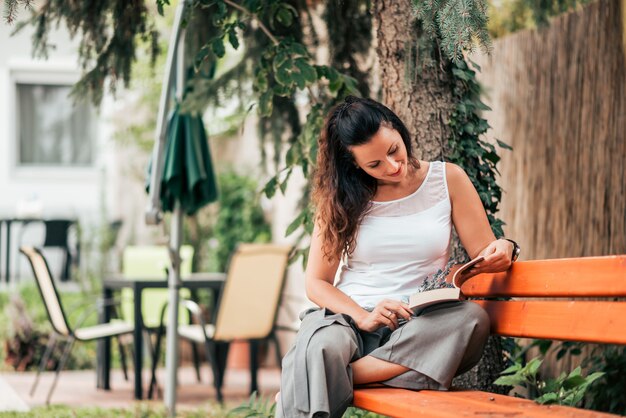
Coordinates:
[388,216]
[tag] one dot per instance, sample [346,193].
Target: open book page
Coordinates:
[426,298]
[460,275]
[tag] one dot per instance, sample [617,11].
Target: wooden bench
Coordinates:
[562,318]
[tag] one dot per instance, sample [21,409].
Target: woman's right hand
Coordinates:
[386,313]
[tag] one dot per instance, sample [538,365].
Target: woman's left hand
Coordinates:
[497,258]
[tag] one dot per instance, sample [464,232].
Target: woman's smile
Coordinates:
[397,173]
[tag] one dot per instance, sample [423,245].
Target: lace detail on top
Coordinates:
[433,190]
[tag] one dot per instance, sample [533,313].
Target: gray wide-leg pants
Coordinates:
[443,341]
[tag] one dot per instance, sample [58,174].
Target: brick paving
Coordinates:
[78,388]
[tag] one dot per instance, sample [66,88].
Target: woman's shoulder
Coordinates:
[456,178]
[454,171]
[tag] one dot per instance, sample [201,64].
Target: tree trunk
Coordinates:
[421,94]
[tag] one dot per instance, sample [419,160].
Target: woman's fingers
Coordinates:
[399,308]
[388,313]
[383,320]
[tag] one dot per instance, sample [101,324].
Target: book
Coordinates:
[425,298]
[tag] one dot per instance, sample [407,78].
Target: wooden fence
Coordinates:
[558,96]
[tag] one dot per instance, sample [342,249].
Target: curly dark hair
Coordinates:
[342,192]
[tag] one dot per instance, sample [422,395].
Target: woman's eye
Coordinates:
[393,151]
[374,165]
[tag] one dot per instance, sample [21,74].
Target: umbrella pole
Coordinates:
[176,232]
[171,359]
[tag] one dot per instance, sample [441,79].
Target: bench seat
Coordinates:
[402,403]
[567,315]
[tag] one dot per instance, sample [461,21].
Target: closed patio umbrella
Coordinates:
[188,175]
[181,180]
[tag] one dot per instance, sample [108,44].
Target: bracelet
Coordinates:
[516,250]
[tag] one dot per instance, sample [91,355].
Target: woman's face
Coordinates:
[384,157]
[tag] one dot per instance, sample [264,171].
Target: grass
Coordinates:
[139,411]
[147,411]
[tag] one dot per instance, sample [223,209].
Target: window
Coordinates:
[52,129]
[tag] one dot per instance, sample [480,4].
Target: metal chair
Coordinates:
[247,309]
[61,234]
[58,319]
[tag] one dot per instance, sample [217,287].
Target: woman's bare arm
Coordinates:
[472,225]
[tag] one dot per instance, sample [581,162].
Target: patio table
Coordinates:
[195,281]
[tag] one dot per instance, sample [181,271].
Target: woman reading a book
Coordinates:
[387,218]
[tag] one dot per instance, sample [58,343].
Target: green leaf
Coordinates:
[283,185]
[218,47]
[334,86]
[492,156]
[280,90]
[283,75]
[532,367]
[260,81]
[232,38]
[201,56]
[284,17]
[299,80]
[504,145]
[279,60]
[296,223]
[460,74]
[270,187]
[469,128]
[480,105]
[292,153]
[576,372]
[547,398]
[299,49]
[552,385]
[307,71]
[266,104]
[511,369]
[351,85]
[476,66]
[160,4]
[573,382]
[511,380]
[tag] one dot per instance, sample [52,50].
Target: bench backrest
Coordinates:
[565,316]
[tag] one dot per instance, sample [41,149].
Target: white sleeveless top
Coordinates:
[400,242]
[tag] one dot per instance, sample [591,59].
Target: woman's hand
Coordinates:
[497,255]
[386,313]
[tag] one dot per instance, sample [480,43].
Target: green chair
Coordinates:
[150,262]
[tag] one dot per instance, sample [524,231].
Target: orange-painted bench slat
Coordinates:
[403,403]
[528,408]
[586,321]
[566,277]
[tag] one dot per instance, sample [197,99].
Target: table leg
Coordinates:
[7,264]
[138,339]
[1,228]
[254,364]
[103,363]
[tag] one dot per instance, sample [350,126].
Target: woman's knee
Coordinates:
[333,341]
[476,314]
